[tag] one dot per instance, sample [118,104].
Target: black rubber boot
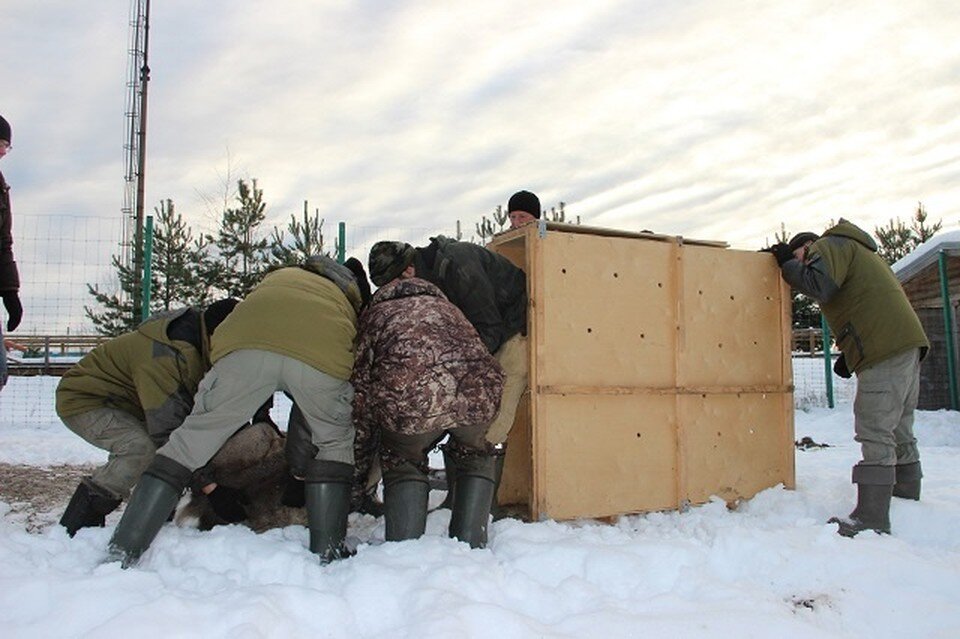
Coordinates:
[874,490]
[450,471]
[328,504]
[406,491]
[472,501]
[908,481]
[88,508]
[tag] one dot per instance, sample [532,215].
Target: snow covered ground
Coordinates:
[771,568]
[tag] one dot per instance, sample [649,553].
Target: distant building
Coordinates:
[920,274]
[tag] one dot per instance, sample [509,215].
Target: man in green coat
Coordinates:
[294,333]
[882,342]
[127,396]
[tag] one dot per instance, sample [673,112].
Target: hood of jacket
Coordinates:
[849,230]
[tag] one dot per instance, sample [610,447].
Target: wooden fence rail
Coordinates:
[54,354]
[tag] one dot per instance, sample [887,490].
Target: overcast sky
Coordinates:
[714,120]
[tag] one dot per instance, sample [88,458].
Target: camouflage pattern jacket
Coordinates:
[421,367]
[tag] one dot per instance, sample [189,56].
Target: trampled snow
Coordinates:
[770,568]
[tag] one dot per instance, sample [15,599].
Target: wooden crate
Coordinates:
[660,373]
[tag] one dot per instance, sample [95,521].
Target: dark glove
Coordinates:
[228,504]
[781,252]
[840,367]
[11,301]
[294,493]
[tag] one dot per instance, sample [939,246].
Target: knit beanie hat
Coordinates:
[388,260]
[6,133]
[524,201]
[217,312]
[800,239]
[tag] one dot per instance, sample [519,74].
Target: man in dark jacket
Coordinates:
[295,333]
[9,277]
[882,342]
[422,373]
[127,396]
[491,292]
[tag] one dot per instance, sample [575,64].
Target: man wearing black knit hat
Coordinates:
[523,208]
[9,277]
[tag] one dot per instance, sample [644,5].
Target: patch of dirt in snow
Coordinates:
[38,495]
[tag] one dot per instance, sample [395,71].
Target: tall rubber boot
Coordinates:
[472,501]
[328,504]
[151,503]
[908,481]
[406,492]
[88,508]
[874,490]
[450,471]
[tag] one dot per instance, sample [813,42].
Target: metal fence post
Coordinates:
[827,362]
[342,249]
[147,268]
[948,333]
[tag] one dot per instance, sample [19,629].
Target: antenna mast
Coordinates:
[135,148]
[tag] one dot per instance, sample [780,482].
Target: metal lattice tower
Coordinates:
[138,75]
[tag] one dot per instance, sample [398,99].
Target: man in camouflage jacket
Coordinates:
[882,342]
[295,333]
[421,373]
[492,293]
[127,396]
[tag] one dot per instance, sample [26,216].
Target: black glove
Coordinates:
[840,367]
[294,493]
[11,301]
[781,252]
[228,503]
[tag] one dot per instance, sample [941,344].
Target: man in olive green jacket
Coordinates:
[127,396]
[882,342]
[294,333]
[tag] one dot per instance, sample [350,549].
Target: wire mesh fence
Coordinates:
[61,255]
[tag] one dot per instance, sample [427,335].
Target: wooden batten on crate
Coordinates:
[660,373]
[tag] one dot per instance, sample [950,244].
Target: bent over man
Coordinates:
[294,333]
[492,294]
[422,373]
[127,395]
[882,342]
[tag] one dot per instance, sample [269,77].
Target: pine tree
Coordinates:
[242,255]
[175,276]
[897,240]
[306,239]
[178,260]
[485,227]
[117,316]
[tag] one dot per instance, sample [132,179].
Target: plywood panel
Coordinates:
[734,445]
[607,311]
[603,456]
[731,319]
